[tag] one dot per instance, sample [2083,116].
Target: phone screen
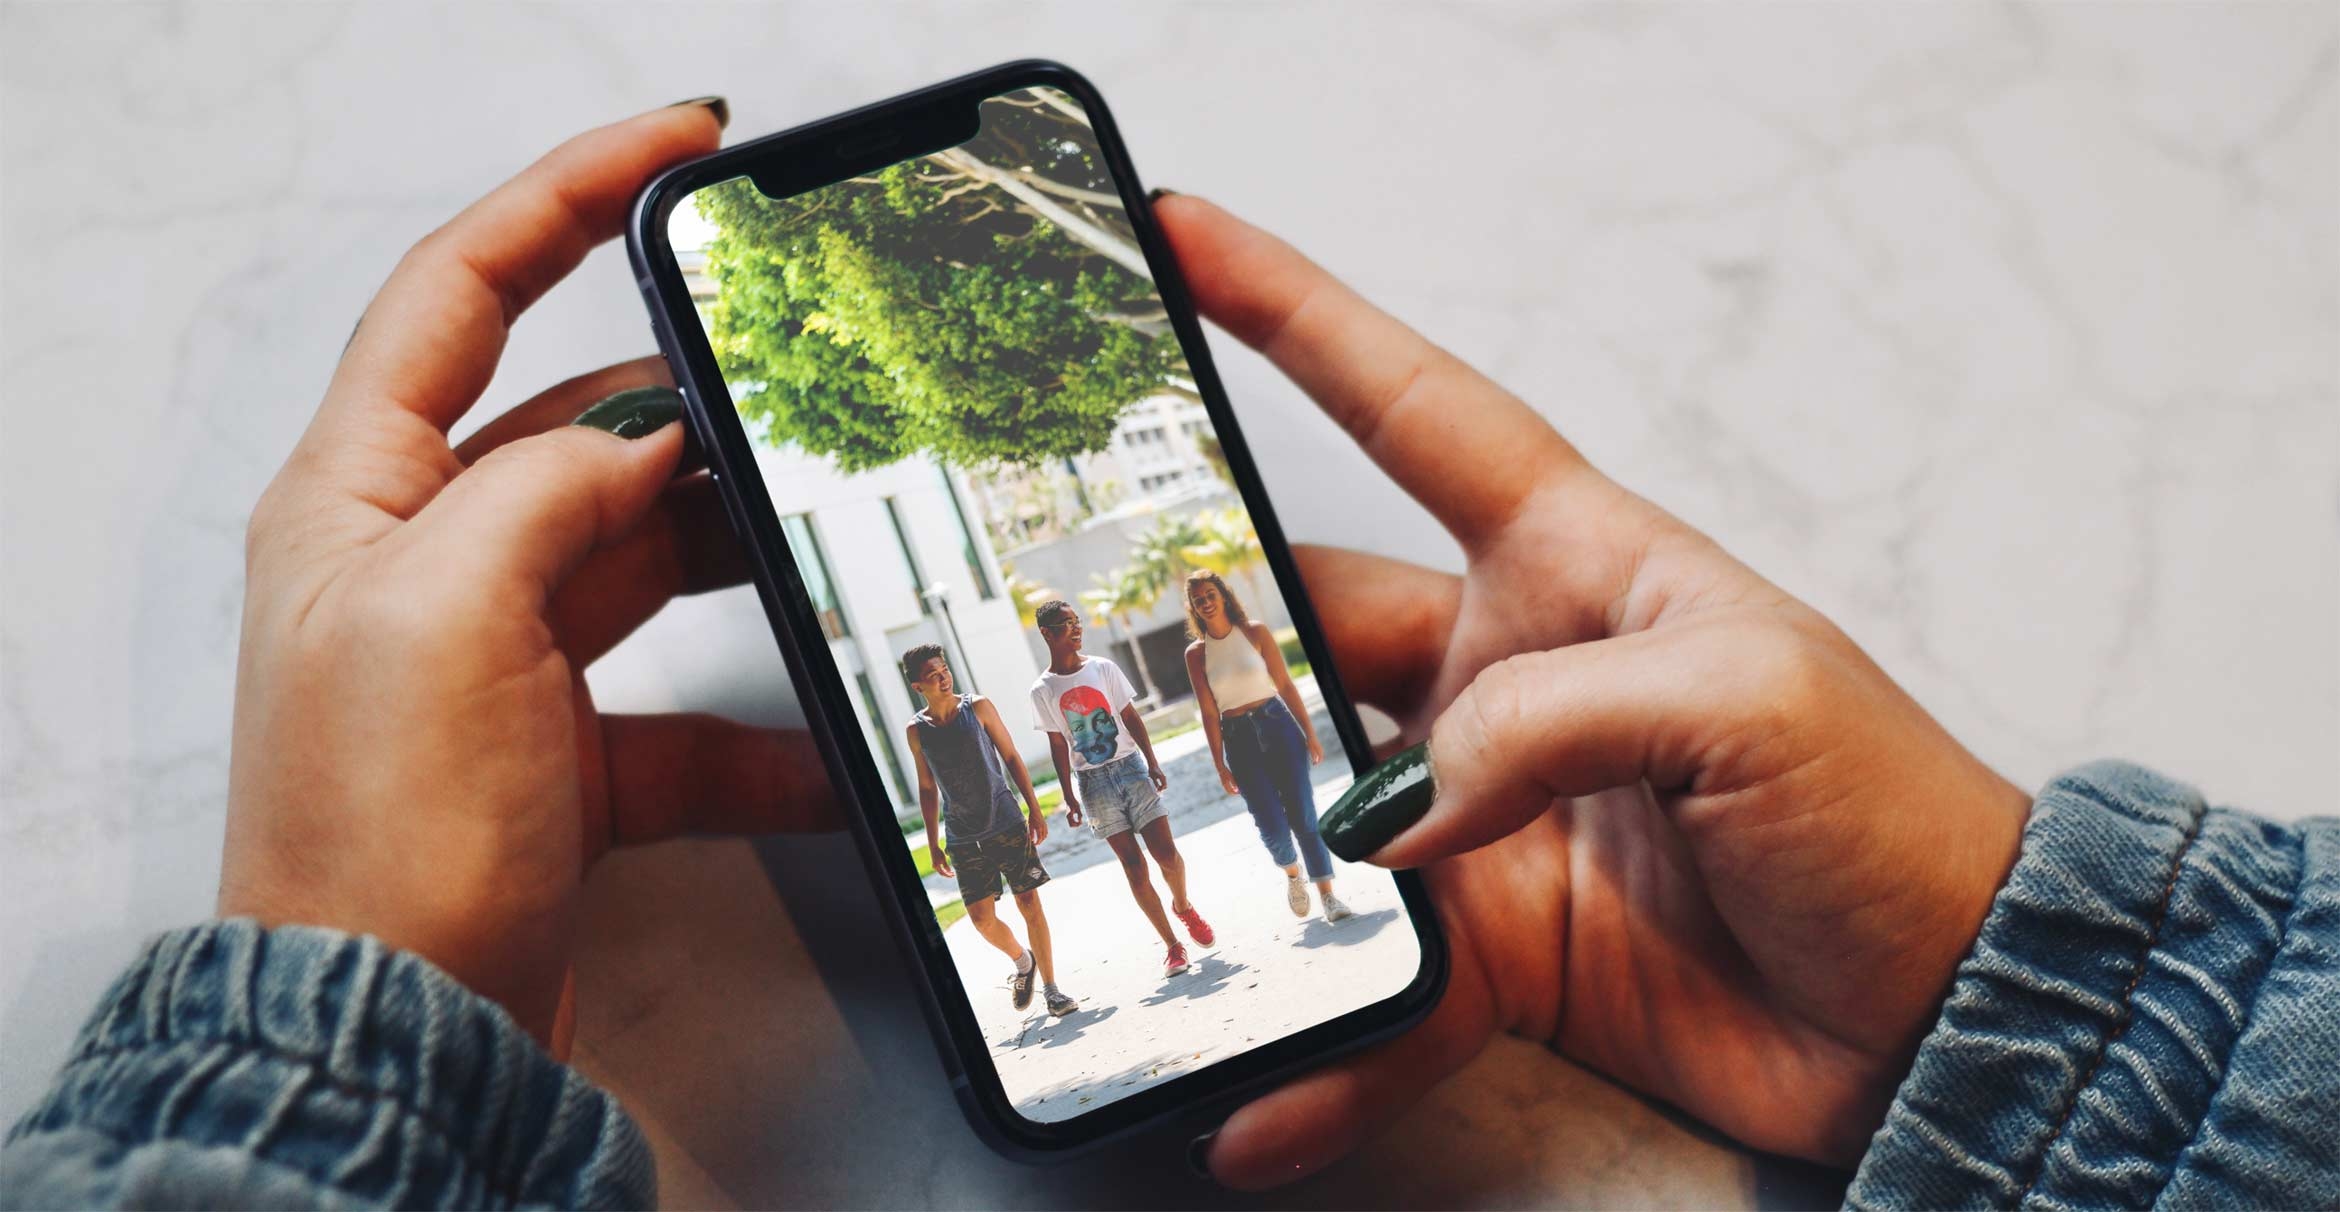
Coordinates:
[1041,587]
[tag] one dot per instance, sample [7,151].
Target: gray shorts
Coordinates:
[1118,797]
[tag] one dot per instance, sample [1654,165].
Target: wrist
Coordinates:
[285,1042]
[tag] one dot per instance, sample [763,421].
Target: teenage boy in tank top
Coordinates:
[1087,707]
[965,790]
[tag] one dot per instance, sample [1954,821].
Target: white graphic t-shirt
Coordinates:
[1085,707]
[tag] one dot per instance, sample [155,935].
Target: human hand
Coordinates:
[1315,751]
[940,857]
[1039,829]
[1684,830]
[1161,780]
[1072,810]
[416,756]
[1227,780]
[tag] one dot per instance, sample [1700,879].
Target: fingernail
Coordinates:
[1158,193]
[720,107]
[1198,1153]
[635,412]
[1380,806]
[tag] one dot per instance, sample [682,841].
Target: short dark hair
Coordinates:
[914,661]
[1054,606]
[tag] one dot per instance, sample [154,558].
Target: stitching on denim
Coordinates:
[326,1077]
[2274,958]
[2177,864]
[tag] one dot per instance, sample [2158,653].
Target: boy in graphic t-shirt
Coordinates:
[1086,705]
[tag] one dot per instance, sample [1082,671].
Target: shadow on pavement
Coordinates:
[1069,1098]
[1209,975]
[1056,1033]
[1321,933]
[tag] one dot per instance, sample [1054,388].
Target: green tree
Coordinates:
[984,304]
[1207,445]
[1161,548]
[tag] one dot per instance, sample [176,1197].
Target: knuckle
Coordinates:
[1497,702]
[1794,674]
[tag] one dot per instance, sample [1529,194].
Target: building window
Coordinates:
[909,556]
[984,589]
[877,740]
[812,566]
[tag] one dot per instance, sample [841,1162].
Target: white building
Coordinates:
[893,559]
[1154,457]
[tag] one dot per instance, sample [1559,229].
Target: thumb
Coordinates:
[532,509]
[1661,705]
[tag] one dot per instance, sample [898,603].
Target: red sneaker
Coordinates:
[1200,929]
[1175,963]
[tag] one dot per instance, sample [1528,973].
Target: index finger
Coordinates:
[430,340]
[1469,451]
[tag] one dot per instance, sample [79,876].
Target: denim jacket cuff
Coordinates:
[361,1069]
[2080,1058]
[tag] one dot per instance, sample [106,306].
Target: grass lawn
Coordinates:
[948,912]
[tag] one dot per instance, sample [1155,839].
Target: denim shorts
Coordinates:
[1118,797]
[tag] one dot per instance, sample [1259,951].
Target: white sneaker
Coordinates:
[1335,911]
[1296,895]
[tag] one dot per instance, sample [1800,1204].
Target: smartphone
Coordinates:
[1034,599]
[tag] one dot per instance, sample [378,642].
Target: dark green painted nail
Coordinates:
[635,412]
[1198,1153]
[720,107]
[1158,193]
[1380,806]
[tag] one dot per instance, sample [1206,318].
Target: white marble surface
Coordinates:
[2010,336]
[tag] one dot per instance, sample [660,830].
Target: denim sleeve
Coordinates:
[233,1066]
[2151,1016]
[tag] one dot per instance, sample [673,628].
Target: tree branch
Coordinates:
[1061,104]
[1121,252]
[1070,192]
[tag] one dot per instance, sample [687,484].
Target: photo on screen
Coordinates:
[1035,575]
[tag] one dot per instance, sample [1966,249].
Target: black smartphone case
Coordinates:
[885,133]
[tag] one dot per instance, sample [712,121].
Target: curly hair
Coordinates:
[1234,605]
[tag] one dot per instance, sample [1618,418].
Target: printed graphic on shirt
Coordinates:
[1088,724]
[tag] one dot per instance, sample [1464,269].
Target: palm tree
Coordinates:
[1120,594]
[1161,548]
[1230,547]
[1027,594]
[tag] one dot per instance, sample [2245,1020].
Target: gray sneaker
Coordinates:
[1335,911]
[1021,987]
[1296,895]
[1058,1004]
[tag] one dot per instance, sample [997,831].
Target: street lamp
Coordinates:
[939,597]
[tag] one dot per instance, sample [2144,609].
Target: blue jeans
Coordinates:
[2148,1017]
[1268,755]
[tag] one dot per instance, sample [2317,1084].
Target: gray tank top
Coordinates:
[976,799]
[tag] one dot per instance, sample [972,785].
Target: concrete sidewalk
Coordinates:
[1270,973]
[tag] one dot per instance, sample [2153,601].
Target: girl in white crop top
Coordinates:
[1260,735]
